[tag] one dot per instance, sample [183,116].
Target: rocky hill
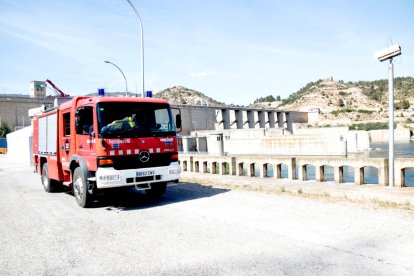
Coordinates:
[183,95]
[346,103]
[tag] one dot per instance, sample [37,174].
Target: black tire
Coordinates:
[49,185]
[157,190]
[80,189]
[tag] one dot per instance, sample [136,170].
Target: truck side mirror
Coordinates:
[178,121]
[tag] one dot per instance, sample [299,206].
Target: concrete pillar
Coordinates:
[256,119]
[319,173]
[271,118]
[383,175]
[289,123]
[233,166]
[292,169]
[280,119]
[219,122]
[213,169]
[232,119]
[250,118]
[191,164]
[239,119]
[277,172]
[246,122]
[302,173]
[240,169]
[251,170]
[399,177]
[223,168]
[339,174]
[263,171]
[359,176]
[226,118]
[262,118]
[205,167]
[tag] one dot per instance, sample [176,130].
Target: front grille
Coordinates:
[133,162]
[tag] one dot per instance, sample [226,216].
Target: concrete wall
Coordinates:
[322,130]
[14,109]
[357,141]
[276,142]
[285,145]
[400,133]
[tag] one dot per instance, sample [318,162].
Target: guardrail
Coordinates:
[297,167]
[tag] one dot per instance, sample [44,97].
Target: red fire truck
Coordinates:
[92,144]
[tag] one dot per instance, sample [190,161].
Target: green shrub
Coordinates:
[4,129]
[364,111]
[369,126]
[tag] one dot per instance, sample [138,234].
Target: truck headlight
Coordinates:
[174,170]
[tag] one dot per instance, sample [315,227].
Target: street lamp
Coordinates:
[142,46]
[126,84]
[382,55]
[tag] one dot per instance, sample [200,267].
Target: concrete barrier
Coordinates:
[249,165]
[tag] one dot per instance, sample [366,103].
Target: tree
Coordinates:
[4,129]
[269,98]
[405,104]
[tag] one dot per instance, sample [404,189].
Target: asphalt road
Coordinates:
[195,230]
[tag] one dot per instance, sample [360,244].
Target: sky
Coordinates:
[234,51]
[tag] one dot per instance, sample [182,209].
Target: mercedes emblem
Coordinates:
[144,156]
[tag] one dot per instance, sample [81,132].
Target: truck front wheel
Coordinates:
[157,190]
[80,189]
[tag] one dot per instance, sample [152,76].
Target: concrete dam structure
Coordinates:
[257,131]
[198,118]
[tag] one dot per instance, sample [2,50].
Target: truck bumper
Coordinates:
[111,178]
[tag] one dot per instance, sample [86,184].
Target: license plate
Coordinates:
[145,173]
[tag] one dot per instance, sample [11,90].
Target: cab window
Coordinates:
[84,120]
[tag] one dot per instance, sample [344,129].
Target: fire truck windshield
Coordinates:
[125,119]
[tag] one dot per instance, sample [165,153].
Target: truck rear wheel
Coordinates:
[80,189]
[157,190]
[49,185]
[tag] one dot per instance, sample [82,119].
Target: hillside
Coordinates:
[183,95]
[346,103]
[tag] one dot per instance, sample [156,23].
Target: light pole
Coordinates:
[126,84]
[389,54]
[142,46]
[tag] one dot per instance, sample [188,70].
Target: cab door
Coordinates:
[64,142]
[85,136]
